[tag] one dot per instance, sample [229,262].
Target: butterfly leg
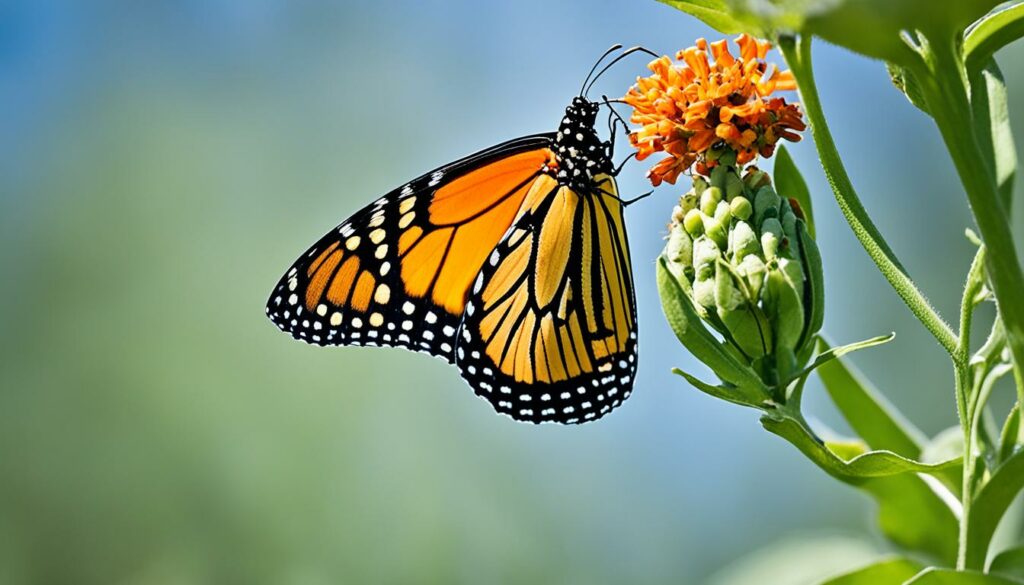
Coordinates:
[628,202]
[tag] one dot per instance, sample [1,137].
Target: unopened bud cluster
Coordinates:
[742,252]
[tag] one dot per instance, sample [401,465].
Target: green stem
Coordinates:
[968,419]
[946,92]
[966,491]
[798,57]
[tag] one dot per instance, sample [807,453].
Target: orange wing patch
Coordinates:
[398,272]
[480,207]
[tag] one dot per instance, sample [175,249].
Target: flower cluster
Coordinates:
[686,109]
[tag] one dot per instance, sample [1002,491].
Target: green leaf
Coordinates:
[714,13]
[725,392]
[915,511]
[869,27]
[935,576]
[854,466]
[995,30]
[815,292]
[867,411]
[1009,563]
[790,183]
[905,81]
[990,503]
[1008,439]
[832,353]
[945,446]
[687,325]
[991,115]
[890,571]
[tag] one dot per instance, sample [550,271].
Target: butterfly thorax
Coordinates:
[581,153]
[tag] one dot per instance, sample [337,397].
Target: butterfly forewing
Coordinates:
[549,333]
[398,271]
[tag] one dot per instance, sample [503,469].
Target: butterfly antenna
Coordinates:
[623,55]
[610,50]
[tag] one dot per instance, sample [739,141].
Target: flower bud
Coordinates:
[741,208]
[693,222]
[709,200]
[745,257]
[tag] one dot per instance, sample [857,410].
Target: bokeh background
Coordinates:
[162,163]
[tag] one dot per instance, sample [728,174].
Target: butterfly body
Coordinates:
[512,264]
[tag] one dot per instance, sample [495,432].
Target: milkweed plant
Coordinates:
[740,277]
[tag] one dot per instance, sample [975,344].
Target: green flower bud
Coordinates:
[783,303]
[753,269]
[709,200]
[699,184]
[744,257]
[741,208]
[744,241]
[771,233]
[705,254]
[693,222]
[688,201]
[723,212]
[717,230]
[679,248]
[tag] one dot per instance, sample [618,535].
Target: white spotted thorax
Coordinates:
[581,153]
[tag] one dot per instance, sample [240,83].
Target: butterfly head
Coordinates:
[581,153]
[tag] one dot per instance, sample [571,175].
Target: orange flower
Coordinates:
[685,109]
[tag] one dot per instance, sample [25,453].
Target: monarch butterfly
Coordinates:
[511,263]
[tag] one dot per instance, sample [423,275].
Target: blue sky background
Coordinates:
[162,163]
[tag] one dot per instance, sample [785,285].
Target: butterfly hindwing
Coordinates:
[398,271]
[549,333]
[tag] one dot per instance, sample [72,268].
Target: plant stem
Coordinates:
[946,92]
[798,56]
[961,366]
[967,495]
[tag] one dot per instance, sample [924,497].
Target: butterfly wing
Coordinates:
[398,272]
[549,333]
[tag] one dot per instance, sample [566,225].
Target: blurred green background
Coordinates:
[162,163]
